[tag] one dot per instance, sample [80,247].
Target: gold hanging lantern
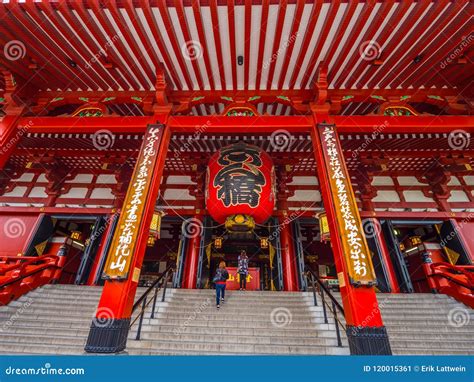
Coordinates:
[155,228]
[218,242]
[323,226]
[264,243]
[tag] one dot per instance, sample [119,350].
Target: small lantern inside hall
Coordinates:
[240,187]
[323,226]
[218,242]
[155,228]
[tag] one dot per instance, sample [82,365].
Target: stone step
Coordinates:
[53,331]
[326,332]
[234,324]
[425,351]
[41,339]
[433,344]
[235,339]
[64,322]
[437,328]
[20,348]
[222,315]
[234,348]
[43,315]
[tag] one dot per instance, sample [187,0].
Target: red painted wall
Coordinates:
[467,233]
[15,231]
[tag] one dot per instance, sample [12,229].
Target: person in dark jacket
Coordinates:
[243,269]
[220,280]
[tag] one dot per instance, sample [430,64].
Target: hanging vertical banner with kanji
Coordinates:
[356,251]
[124,242]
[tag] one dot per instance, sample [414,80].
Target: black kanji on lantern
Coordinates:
[240,180]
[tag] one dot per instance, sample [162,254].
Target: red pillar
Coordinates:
[110,326]
[288,256]
[193,231]
[365,330]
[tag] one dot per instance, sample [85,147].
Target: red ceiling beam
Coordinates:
[243,125]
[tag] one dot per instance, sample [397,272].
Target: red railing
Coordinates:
[20,275]
[454,280]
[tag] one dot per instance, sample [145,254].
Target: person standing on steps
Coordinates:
[220,280]
[243,269]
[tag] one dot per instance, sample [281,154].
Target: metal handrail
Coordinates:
[334,307]
[156,286]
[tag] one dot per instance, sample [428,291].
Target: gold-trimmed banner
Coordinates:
[130,222]
[356,251]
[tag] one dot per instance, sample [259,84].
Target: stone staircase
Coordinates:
[247,323]
[425,323]
[55,319]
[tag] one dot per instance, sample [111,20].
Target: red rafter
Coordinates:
[247,36]
[174,41]
[88,42]
[217,42]
[368,36]
[118,44]
[420,28]
[159,41]
[187,38]
[231,22]
[355,32]
[307,40]
[294,30]
[261,43]
[203,42]
[51,55]
[411,20]
[99,37]
[68,45]
[276,42]
[334,7]
[425,73]
[397,16]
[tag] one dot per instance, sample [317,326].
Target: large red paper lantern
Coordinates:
[240,181]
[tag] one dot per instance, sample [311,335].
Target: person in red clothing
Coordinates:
[220,280]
